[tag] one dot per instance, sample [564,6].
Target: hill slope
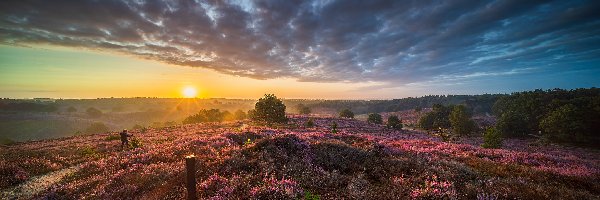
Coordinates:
[238,160]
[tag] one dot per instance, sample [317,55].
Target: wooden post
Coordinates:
[190,165]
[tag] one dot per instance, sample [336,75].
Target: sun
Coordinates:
[189,92]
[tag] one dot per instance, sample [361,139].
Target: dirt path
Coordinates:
[36,184]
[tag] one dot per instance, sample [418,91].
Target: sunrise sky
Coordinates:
[323,49]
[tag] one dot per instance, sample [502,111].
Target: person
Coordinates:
[124,140]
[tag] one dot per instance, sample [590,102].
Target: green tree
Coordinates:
[460,121]
[563,124]
[375,118]
[436,119]
[97,127]
[492,138]
[240,115]
[93,112]
[394,122]
[303,109]
[270,109]
[346,113]
[513,123]
[212,115]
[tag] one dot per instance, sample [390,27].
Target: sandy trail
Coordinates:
[36,184]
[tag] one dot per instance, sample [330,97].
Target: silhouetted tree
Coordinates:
[240,115]
[303,109]
[347,113]
[394,122]
[270,109]
[375,118]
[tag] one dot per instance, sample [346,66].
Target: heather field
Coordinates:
[243,160]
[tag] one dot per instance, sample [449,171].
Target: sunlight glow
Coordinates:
[189,92]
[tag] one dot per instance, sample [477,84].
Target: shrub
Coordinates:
[93,112]
[375,118]
[394,122]
[270,109]
[303,109]
[309,124]
[239,115]
[346,113]
[334,127]
[561,124]
[437,118]
[113,137]
[311,196]
[135,143]
[212,115]
[97,127]
[492,138]
[460,120]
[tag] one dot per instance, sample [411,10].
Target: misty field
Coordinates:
[244,160]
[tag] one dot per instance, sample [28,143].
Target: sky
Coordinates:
[323,49]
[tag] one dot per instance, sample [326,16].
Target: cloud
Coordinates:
[392,42]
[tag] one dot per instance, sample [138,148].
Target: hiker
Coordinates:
[124,136]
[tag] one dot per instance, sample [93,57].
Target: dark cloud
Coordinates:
[394,42]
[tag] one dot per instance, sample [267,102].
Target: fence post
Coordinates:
[190,165]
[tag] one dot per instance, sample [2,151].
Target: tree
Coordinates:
[303,109]
[97,127]
[270,109]
[492,138]
[375,118]
[93,112]
[460,121]
[563,124]
[212,115]
[436,119]
[71,109]
[394,122]
[346,113]
[512,123]
[240,115]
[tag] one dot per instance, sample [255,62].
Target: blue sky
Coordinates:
[384,49]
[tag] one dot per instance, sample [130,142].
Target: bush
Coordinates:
[346,113]
[394,122]
[212,115]
[561,124]
[240,115]
[309,123]
[436,119]
[492,138]
[135,143]
[97,127]
[460,120]
[375,118]
[270,109]
[303,109]
[93,112]
[334,127]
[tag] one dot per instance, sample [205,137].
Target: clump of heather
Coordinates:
[273,188]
